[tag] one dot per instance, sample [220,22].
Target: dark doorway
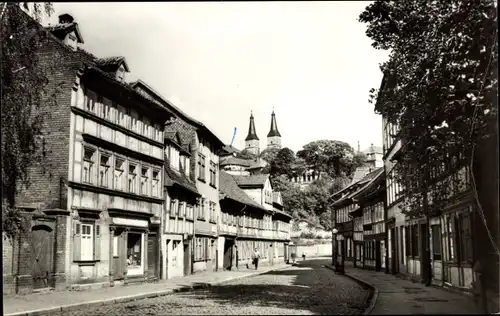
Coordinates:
[394,252]
[152,255]
[378,256]
[228,254]
[425,252]
[187,257]
[42,239]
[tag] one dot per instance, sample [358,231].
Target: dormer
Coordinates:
[115,66]
[67,31]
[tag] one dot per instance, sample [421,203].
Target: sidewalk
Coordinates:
[399,296]
[65,300]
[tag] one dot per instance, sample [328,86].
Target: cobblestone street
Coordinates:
[306,289]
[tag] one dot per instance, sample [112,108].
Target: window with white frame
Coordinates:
[89,157]
[120,117]
[182,163]
[104,167]
[132,178]
[155,186]
[201,167]
[213,173]
[189,212]
[174,158]
[173,207]
[106,106]
[187,169]
[133,121]
[119,174]
[212,212]
[144,180]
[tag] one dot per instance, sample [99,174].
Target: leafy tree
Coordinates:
[440,88]
[24,89]
[331,156]
[245,154]
[269,154]
[283,162]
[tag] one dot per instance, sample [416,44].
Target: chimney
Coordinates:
[65,18]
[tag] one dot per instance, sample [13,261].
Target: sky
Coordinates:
[309,61]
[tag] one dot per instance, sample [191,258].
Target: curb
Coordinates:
[135,297]
[373,299]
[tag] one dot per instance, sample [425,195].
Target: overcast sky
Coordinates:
[217,61]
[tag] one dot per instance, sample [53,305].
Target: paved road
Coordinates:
[307,289]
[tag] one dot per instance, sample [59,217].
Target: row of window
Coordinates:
[202,170]
[181,209]
[373,213]
[125,117]
[268,197]
[106,169]
[177,161]
[456,239]
[342,215]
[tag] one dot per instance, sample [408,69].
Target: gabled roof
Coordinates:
[361,185]
[370,183]
[228,188]
[257,180]
[62,29]
[359,173]
[179,178]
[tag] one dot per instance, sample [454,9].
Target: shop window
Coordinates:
[134,250]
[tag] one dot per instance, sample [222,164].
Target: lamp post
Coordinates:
[334,243]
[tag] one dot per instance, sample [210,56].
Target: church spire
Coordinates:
[274,127]
[252,134]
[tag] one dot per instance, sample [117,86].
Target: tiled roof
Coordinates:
[229,189]
[359,173]
[179,178]
[260,163]
[229,149]
[112,61]
[368,180]
[230,160]
[252,180]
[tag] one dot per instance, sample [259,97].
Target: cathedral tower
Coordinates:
[252,141]
[273,137]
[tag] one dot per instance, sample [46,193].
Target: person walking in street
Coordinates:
[303,256]
[255,258]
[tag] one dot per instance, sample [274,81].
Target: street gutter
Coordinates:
[375,291]
[135,297]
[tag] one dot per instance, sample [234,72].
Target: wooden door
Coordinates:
[42,256]
[119,255]
[152,255]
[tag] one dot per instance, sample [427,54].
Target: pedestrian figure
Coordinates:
[293,257]
[255,258]
[303,256]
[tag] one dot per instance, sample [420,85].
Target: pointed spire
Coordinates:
[252,134]
[274,127]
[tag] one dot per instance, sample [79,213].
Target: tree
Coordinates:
[440,88]
[331,156]
[245,154]
[269,154]
[283,162]
[24,89]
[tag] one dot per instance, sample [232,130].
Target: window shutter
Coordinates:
[77,240]
[97,242]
